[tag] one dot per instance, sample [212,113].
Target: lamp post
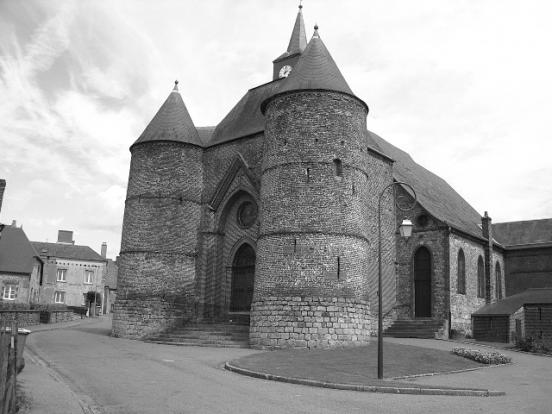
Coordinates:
[405,230]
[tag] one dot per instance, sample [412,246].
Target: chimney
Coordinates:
[2,188]
[486,223]
[486,226]
[14,223]
[104,250]
[65,236]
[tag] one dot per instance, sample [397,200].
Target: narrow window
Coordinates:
[59,297]
[338,167]
[338,267]
[308,175]
[461,273]
[480,278]
[353,188]
[88,276]
[294,245]
[498,281]
[61,273]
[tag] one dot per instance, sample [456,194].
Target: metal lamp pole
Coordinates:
[405,230]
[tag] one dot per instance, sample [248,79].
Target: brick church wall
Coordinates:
[159,239]
[463,305]
[215,239]
[318,234]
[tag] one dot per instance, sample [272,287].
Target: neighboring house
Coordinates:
[70,271]
[110,290]
[527,253]
[20,266]
[273,214]
[521,316]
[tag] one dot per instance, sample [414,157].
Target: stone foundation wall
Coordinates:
[141,318]
[309,322]
[23,317]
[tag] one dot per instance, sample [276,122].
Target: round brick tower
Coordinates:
[162,213]
[319,186]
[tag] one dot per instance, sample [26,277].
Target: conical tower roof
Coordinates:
[172,122]
[315,70]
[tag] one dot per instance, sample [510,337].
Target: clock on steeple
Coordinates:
[283,64]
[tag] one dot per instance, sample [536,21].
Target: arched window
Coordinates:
[338,167]
[422,283]
[498,281]
[461,273]
[480,278]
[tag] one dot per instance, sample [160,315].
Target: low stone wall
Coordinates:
[23,317]
[309,322]
[59,316]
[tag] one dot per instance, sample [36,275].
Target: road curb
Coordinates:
[419,390]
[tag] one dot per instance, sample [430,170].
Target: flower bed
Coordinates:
[482,357]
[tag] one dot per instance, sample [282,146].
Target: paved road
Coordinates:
[113,375]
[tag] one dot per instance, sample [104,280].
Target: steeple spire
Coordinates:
[298,41]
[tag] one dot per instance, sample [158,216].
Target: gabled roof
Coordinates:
[433,193]
[509,305]
[245,118]
[172,122]
[67,251]
[16,252]
[530,232]
[298,40]
[315,70]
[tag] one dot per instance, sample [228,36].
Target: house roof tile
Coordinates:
[16,252]
[67,251]
[510,304]
[528,232]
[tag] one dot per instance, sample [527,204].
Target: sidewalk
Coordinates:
[42,389]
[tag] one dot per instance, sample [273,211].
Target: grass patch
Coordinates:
[356,365]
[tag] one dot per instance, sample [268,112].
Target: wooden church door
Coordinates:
[243,276]
[422,283]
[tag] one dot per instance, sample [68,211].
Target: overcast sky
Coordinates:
[464,86]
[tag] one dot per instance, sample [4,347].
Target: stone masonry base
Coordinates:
[309,322]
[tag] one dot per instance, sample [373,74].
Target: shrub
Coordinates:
[531,344]
[481,356]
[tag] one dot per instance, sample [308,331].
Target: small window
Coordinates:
[480,278]
[59,297]
[61,273]
[10,292]
[461,273]
[247,214]
[88,276]
[338,167]
[498,281]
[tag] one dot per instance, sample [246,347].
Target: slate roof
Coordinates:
[316,70]
[245,118]
[172,122]
[67,251]
[529,232]
[433,193]
[16,252]
[509,305]
[298,40]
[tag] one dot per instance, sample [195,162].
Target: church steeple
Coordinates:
[297,43]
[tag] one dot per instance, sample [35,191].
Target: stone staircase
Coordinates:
[225,335]
[414,328]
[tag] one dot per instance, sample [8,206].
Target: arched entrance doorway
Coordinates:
[422,283]
[243,275]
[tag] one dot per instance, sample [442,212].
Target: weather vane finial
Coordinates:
[300,4]
[175,85]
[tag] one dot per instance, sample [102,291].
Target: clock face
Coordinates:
[285,71]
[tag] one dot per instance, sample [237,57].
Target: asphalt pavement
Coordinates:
[81,369]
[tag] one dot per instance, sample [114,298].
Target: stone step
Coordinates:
[416,328]
[203,344]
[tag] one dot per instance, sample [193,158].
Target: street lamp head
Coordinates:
[406,228]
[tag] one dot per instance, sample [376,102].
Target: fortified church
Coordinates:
[270,219]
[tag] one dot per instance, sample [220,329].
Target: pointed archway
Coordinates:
[243,277]
[422,283]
